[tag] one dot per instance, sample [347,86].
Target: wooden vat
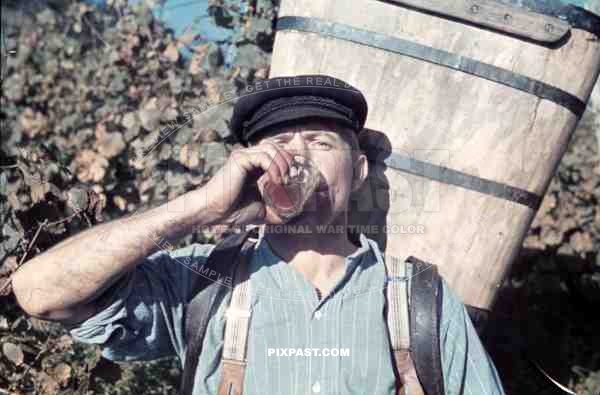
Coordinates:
[471,106]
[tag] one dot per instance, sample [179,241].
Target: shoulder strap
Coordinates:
[426,297]
[425,310]
[233,359]
[208,296]
[398,323]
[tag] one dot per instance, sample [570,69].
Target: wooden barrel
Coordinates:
[471,106]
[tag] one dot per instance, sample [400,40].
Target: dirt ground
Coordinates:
[86,92]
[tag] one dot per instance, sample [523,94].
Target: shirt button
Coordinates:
[316,387]
[318,315]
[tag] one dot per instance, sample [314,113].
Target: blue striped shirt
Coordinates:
[144,316]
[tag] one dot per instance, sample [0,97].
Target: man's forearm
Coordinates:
[63,282]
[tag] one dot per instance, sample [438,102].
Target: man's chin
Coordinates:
[306,217]
[317,211]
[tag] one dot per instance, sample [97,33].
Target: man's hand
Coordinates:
[237,190]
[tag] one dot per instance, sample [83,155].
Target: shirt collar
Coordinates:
[366,245]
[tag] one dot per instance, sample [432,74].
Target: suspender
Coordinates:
[398,323]
[425,312]
[236,329]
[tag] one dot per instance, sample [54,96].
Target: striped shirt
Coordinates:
[144,314]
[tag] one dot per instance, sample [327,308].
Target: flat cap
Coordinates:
[283,99]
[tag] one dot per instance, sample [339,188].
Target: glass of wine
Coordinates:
[289,197]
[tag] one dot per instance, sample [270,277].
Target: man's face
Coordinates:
[329,146]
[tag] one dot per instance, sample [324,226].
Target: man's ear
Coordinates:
[361,171]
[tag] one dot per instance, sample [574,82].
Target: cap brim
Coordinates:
[296,113]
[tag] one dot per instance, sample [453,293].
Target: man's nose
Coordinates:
[297,145]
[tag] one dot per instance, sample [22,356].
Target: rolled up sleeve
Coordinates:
[468,369]
[142,313]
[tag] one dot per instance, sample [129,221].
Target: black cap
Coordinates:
[283,99]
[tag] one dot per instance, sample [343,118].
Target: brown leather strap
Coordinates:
[398,322]
[408,382]
[425,311]
[232,377]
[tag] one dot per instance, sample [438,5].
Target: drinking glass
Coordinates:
[297,185]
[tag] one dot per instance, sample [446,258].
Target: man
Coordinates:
[313,290]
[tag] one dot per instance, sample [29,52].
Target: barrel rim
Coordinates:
[578,17]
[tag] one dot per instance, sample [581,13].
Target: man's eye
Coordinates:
[323,144]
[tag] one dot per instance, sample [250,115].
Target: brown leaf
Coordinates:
[130,121]
[13,352]
[261,73]
[39,191]
[90,166]
[189,156]
[581,242]
[111,145]
[120,202]
[33,123]
[61,373]
[551,236]
[40,325]
[64,343]
[149,114]
[46,385]
[206,136]
[212,88]
[133,41]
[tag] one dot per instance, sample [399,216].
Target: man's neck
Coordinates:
[290,246]
[318,256]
